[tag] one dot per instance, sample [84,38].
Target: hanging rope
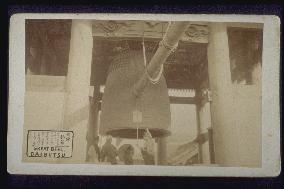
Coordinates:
[137,124]
[137,136]
[152,80]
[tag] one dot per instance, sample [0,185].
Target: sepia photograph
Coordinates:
[112,91]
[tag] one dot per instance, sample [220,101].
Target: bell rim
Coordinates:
[131,133]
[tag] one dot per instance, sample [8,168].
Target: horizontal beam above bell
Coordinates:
[196,32]
[182,100]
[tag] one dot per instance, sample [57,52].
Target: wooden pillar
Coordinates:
[77,85]
[211,146]
[203,124]
[224,131]
[93,124]
[200,154]
[79,68]
[162,151]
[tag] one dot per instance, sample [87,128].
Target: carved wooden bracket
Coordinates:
[196,33]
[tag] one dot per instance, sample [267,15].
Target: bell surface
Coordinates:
[126,116]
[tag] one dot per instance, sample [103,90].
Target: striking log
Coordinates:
[167,45]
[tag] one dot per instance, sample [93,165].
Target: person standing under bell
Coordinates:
[148,152]
[109,151]
[94,151]
[128,155]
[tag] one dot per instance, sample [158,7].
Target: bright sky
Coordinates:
[183,127]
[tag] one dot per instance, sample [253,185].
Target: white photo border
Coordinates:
[271,160]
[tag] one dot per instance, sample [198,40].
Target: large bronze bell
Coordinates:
[126,116]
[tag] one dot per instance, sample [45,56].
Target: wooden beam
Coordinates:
[245,25]
[196,33]
[182,100]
